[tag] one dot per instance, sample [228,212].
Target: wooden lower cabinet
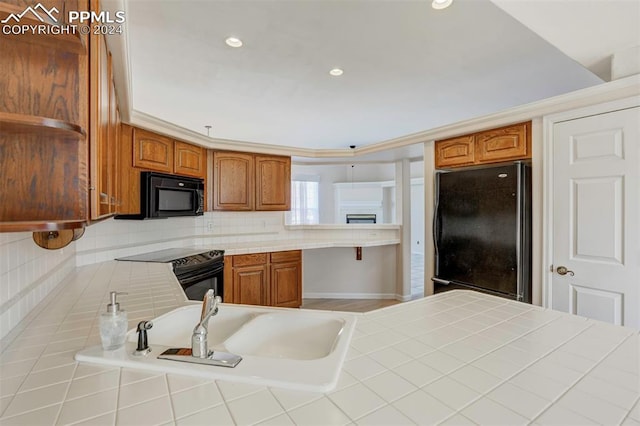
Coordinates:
[267,279]
[251,285]
[286,279]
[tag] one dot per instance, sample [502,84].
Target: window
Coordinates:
[304,203]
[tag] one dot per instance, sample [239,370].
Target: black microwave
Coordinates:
[163,195]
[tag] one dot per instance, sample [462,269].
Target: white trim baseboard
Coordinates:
[318,295]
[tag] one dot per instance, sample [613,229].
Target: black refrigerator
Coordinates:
[482,230]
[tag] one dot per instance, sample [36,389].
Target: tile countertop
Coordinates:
[269,246]
[455,358]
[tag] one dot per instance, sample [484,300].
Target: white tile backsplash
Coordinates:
[28,274]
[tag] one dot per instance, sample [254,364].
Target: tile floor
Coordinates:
[348,305]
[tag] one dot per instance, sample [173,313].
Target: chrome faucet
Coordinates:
[200,353]
[199,343]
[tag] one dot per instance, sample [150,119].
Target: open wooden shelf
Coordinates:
[69,42]
[39,226]
[32,125]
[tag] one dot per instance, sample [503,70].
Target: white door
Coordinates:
[596,232]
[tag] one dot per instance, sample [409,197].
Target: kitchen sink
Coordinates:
[287,336]
[290,348]
[175,327]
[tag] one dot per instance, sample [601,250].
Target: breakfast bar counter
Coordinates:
[459,357]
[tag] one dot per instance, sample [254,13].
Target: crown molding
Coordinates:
[606,92]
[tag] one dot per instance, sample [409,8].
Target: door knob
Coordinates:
[562,270]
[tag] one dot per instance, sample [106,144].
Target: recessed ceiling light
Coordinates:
[336,72]
[233,42]
[441,4]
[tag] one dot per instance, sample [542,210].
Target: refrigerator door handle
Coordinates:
[519,201]
[440,281]
[435,221]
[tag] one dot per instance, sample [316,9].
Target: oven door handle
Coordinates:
[190,278]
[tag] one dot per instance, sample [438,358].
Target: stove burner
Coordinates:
[196,270]
[211,257]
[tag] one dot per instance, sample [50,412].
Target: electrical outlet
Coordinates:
[209,226]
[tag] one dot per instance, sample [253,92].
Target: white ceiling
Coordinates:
[408,68]
[589,31]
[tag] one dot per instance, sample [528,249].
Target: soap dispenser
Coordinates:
[113,324]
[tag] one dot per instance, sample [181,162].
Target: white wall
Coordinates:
[28,274]
[417,218]
[335,273]
[331,173]
[112,238]
[417,207]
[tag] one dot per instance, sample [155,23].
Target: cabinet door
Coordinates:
[286,284]
[233,175]
[152,152]
[250,259]
[128,176]
[505,143]
[190,160]
[228,292]
[455,152]
[44,154]
[99,127]
[251,285]
[273,183]
[113,144]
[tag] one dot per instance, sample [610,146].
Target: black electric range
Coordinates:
[197,269]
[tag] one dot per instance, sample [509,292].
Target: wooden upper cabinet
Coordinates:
[455,152]
[104,126]
[152,151]
[44,124]
[505,143]
[233,180]
[128,176]
[142,150]
[99,115]
[155,152]
[190,159]
[273,183]
[492,146]
[251,181]
[114,146]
